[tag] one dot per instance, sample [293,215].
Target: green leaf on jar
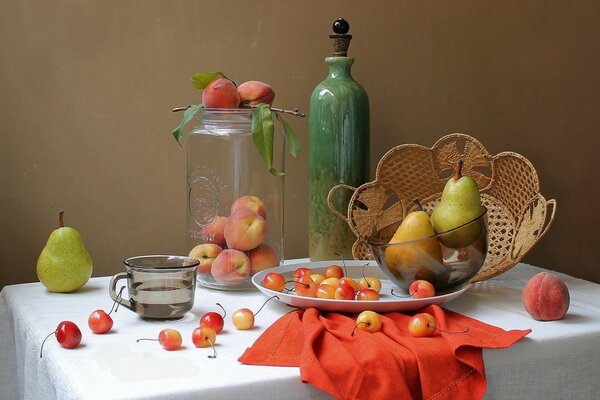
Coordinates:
[202,79]
[290,136]
[188,114]
[263,133]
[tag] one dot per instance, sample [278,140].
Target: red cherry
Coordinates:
[425,324]
[422,325]
[100,322]
[67,335]
[305,286]
[214,320]
[334,271]
[204,337]
[421,288]
[169,339]
[274,281]
[300,272]
[367,294]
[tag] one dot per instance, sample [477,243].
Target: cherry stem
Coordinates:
[261,307]
[116,301]
[356,326]
[404,296]
[46,338]
[61,219]
[364,277]
[214,354]
[343,263]
[150,340]
[224,312]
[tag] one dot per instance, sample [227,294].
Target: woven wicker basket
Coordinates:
[518,215]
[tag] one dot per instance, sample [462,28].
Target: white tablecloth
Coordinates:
[558,360]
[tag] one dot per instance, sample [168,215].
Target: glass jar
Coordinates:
[235,206]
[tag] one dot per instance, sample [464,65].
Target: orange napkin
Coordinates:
[385,365]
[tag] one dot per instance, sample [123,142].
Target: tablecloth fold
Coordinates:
[383,365]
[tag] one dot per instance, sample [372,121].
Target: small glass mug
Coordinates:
[160,287]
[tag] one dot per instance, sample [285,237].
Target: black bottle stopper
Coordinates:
[341,38]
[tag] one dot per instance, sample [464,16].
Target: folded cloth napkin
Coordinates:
[390,364]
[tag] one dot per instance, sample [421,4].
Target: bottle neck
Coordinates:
[339,67]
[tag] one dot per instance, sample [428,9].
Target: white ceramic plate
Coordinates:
[387,303]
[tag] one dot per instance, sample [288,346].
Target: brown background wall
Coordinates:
[86,89]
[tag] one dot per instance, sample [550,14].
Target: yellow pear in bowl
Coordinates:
[417,253]
[64,264]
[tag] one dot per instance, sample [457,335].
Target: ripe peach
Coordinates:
[214,233]
[221,93]
[546,297]
[251,203]
[262,257]
[256,92]
[231,267]
[206,254]
[244,230]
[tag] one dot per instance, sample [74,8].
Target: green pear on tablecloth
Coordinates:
[64,264]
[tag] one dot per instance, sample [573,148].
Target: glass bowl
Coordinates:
[448,260]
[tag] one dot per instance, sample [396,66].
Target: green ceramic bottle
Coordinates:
[339,148]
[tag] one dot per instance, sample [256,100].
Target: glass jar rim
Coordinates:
[226,111]
[161,262]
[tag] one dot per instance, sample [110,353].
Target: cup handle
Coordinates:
[112,290]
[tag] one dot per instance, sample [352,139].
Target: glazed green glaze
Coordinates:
[339,148]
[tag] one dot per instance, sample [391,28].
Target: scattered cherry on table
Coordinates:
[67,334]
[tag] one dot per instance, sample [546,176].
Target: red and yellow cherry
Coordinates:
[422,325]
[370,282]
[305,286]
[274,281]
[100,322]
[204,336]
[348,281]
[300,272]
[425,324]
[169,339]
[325,292]
[67,335]
[243,318]
[334,271]
[333,282]
[368,321]
[421,289]
[344,292]
[367,294]
[214,320]
[317,278]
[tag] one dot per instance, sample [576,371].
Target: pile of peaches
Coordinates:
[234,247]
[334,284]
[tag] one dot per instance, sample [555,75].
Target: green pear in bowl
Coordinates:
[414,252]
[64,265]
[460,204]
